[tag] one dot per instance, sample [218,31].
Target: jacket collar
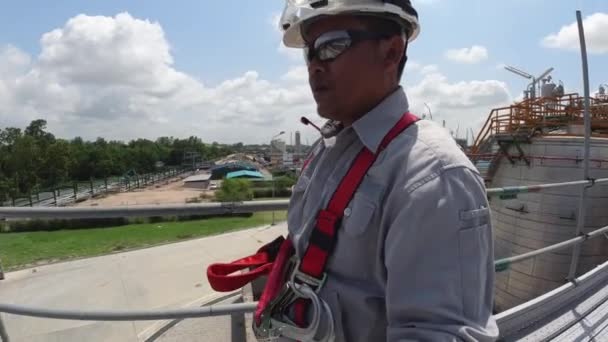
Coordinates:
[375,124]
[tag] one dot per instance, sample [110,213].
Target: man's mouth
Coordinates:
[319,89]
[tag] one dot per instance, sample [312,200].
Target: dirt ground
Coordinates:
[172,192]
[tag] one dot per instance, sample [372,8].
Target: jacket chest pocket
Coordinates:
[296,200]
[361,209]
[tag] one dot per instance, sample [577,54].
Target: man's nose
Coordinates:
[316,66]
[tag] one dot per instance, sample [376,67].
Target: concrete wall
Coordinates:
[197,185]
[537,220]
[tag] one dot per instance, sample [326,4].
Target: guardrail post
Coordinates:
[587,121]
[237,326]
[55,197]
[3,333]
[272,223]
[75,191]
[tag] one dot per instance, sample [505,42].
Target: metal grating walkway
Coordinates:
[577,311]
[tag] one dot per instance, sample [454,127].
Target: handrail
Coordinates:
[540,187]
[129,315]
[501,264]
[229,309]
[541,112]
[143,210]
[216,208]
[212,208]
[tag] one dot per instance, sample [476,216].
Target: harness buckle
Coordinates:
[298,277]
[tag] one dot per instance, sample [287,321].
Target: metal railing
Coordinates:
[218,208]
[503,264]
[78,191]
[221,208]
[130,315]
[226,309]
[143,210]
[507,190]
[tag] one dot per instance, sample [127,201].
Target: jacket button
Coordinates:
[347,212]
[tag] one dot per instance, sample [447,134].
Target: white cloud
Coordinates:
[114,77]
[596,26]
[12,60]
[464,103]
[472,55]
[412,66]
[274,21]
[416,67]
[429,69]
[294,55]
[296,74]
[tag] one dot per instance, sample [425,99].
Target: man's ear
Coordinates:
[393,50]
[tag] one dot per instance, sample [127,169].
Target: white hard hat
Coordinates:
[297,12]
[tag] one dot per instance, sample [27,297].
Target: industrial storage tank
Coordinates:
[537,141]
[538,219]
[548,87]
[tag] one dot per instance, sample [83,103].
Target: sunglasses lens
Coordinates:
[328,50]
[333,49]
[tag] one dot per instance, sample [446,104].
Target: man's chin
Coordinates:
[325,112]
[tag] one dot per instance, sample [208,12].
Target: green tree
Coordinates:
[284,182]
[9,136]
[4,188]
[25,161]
[35,158]
[234,190]
[55,164]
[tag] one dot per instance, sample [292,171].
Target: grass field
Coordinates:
[20,250]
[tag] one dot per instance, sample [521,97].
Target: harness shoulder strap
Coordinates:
[311,268]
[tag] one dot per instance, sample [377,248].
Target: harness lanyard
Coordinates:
[311,269]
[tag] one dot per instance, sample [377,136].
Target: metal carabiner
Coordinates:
[290,330]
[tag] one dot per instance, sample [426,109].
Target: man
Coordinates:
[413,256]
[389,227]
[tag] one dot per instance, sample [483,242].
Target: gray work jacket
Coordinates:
[414,254]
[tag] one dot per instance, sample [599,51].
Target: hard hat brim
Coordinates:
[293,37]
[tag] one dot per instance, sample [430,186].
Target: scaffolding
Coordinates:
[545,116]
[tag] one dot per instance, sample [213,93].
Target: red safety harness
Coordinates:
[274,258]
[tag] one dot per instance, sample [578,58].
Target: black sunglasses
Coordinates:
[330,45]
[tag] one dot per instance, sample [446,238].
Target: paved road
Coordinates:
[169,276]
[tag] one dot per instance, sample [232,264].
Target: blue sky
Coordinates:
[213,44]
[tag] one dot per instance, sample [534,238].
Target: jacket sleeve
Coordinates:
[439,261]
